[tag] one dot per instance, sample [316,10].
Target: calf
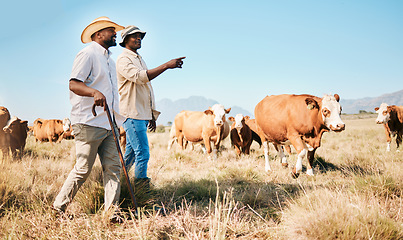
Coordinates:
[392,119]
[173,139]
[241,134]
[252,124]
[207,126]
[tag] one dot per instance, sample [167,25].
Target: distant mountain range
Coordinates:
[170,108]
[368,104]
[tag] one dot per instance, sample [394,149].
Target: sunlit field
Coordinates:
[356,193]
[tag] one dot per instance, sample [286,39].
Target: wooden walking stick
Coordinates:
[119,152]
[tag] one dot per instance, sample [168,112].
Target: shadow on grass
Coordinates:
[321,165]
[351,168]
[266,199]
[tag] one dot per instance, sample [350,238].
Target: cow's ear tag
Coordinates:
[310,106]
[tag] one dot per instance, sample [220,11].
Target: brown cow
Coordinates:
[253,127]
[392,119]
[48,130]
[207,126]
[299,120]
[241,134]
[16,131]
[4,117]
[172,138]
[252,124]
[67,130]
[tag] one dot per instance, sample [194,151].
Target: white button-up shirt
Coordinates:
[96,69]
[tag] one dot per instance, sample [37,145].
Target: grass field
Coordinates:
[356,193]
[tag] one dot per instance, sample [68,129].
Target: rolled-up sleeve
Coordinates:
[130,72]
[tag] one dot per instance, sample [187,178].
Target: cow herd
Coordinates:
[14,132]
[283,120]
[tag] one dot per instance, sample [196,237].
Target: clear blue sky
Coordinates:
[237,52]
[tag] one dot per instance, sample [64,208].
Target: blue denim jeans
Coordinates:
[137,150]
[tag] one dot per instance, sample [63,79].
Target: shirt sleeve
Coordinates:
[129,71]
[81,67]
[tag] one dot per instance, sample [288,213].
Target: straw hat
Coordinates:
[130,30]
[96,25]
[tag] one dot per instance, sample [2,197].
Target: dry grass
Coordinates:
[355,194]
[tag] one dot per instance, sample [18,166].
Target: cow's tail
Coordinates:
[256,137]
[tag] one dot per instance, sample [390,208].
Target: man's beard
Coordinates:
[110,42]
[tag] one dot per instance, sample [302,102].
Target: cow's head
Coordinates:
[66,124]
[331,111]
[14,123]
[239,121]
[218,111]
[4,116]
[38,122]
[383,113]
[219,114]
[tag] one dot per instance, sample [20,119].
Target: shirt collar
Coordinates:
[130,52]
[101,49]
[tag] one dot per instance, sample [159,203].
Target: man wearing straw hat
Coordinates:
[93,81]
[137,102]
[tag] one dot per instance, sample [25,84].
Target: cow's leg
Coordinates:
[247,148]
[298,165]
[282,156]
[388,139]
[300,147]
[60,138]
[215,149]
[203,147]
[398,141]
[266,155]
[50,138]
[207,144]
[311,157]
[171,142]
[180,141]
[288,149]
[237,150]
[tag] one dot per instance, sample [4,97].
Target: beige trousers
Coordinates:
[91,141]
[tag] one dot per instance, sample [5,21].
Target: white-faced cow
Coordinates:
[207,126]
[16,131]
[67,130]
[173,139]
[299,120]
[240,134]
[392,119]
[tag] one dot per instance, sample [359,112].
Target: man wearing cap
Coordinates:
[137,101]
[93,81]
